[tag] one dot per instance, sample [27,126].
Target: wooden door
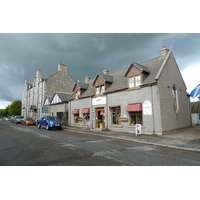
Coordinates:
[99,117]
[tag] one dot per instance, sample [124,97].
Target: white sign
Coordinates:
[147,108]
[138,130]
[98,101]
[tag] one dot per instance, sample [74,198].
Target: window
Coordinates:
[134,81]
[115,115]
[131,82]
[100,90]
[76,116]
[135,118]
[86,118]
[175,98]
[77,94]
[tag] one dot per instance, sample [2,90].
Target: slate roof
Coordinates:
[105,77]
[64,97]
[82,85]
[118,80]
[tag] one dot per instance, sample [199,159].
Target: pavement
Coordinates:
[183,139]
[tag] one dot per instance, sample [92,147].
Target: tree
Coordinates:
[4,112]
[199,97]
[15,108]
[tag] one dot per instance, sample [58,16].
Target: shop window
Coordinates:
[134,81]
[135,118]
[100,90]
[86,118]
[76,116]
[115,116]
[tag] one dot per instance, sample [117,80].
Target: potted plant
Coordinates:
[80,119]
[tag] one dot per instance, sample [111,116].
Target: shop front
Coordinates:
[98,104]
[99,117]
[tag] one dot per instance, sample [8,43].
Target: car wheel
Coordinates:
[38,125]
[47,127]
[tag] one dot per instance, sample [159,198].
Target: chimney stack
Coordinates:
[87,78]
[106,71]
[164,51]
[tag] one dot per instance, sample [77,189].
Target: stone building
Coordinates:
[152,93]
[35,94]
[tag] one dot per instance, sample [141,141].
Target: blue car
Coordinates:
[49,122]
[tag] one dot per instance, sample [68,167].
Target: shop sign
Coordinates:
[138,130]
[98,101]
[147,108]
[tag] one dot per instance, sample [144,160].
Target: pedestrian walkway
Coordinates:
[184,139]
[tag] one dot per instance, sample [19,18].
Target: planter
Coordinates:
[123,119]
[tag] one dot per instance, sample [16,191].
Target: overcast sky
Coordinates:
[22,54]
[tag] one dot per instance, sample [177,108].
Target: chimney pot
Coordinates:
[164,51]
[87,78]
[62,67]
[106,71]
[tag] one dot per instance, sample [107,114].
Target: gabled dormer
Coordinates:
[79,89]
[135,75]
[102,82]
[60,97]
[47,101]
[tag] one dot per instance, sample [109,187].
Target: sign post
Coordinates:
[138,129]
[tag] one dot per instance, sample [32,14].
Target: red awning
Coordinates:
[75,111]
[85,111]
[134,107]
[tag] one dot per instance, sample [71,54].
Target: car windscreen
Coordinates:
[29,118]
[51,118]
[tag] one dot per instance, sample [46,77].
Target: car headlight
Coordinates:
[51,123]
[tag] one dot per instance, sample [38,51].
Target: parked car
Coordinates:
[18,119]
[12,119]
[28,121]
[49,122]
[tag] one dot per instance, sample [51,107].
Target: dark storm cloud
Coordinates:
[21,55]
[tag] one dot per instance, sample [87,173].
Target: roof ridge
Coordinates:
[149,60]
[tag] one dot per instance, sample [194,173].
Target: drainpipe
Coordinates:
[152,108]
[92,114]
[106,121]
[69,114]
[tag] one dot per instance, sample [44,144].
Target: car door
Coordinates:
[43,121]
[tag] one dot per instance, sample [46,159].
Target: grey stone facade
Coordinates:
[152,93]
[36,93]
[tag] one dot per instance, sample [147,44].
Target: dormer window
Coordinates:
[77,94]
[101,83]
[100,90]
[79,89]
[134,81]
[136,74]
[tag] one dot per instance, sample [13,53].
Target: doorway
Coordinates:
[99,117]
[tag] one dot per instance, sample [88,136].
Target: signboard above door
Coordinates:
[98,101]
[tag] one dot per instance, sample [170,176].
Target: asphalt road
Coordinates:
[30,146]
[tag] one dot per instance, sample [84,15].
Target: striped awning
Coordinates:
[75,111]
[134,107]
[85,111]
